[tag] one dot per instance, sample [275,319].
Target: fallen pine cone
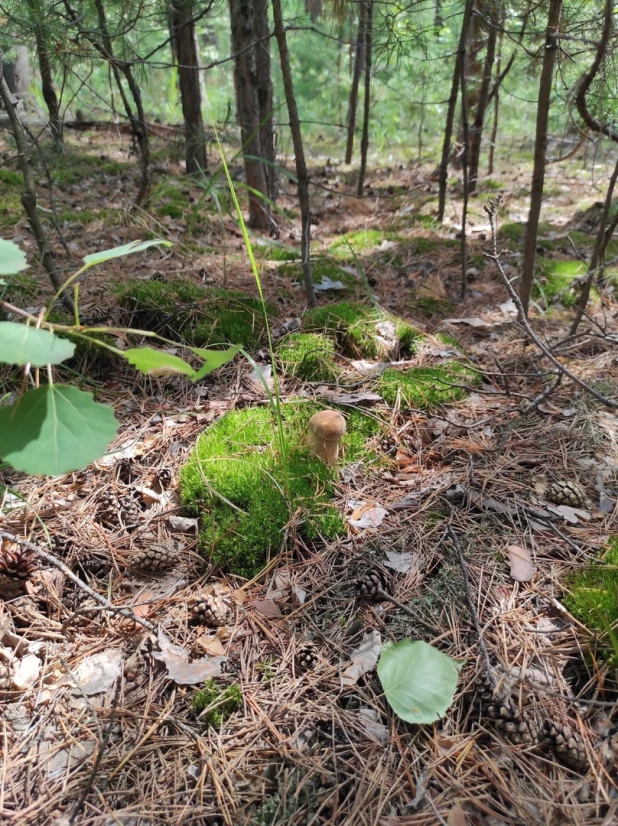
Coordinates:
[212,609]
[565,492]
[369,584]
[17,564]
[306,656]
[566,744]
[157,557]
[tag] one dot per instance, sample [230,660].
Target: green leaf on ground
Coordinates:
[55,429]
[20,344]
[419,681]
[125,249]
[213,359]
[12,259]
[153,362]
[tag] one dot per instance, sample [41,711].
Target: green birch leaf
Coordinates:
[419,681]
[213,359]
[12,259]
[20,344]
[55,429]
[153,362]
[125,249]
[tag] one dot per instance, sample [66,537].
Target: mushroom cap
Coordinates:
[328,425]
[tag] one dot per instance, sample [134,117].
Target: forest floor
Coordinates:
[100,722]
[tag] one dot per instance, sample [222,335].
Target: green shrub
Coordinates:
[224,702]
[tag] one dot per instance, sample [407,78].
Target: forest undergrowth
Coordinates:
[471,508]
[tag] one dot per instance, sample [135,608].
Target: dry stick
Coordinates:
[28,197]
[386,596]
[471,606]
[52,560]
[491,211]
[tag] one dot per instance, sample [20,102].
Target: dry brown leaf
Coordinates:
[210,644]
[179,669]
[364,659]
[266,607]
[457,817]
[522,569]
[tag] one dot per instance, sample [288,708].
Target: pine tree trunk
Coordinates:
[242,19]
[540,146]
[476,132]
[189,82]
[302,174]
[359,60]
[47,79]
[265,96]
[367,101]
[450,112]
[494,125]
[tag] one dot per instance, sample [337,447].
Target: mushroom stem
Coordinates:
[325,431]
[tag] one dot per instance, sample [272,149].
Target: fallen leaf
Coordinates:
[239,596]
[370,515]
[182,524]
[522,569]
[364,659]
[266,607]
[401,562]
[179,669]
[26,673]
[457,817]
[99,672]
[371,725]
[573,515]
[327,284]
[210,644]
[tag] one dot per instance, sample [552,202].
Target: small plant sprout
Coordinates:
[325,431]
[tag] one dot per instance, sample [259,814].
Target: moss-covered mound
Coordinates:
[184,311]
[361,242]
[425,388]
[323,270]
[362,331]
[246,494]
[592,597]
[308,356]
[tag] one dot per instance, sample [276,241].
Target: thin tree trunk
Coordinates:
[540,147]
[367,101]
[450,112]
[463,75]
[476,133]
[494,125]
[189,82]
[265,96]
[47,79]
[358,68]
[28,197]
[302,174]
[242,16]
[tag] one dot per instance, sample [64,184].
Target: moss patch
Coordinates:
[425,388]
[183,311]
[275,252]
[355,328]
[593,594]
[217,703]
[361,242]
[308,356]
[236,482]
[428,306]
[321,268]
[555,282]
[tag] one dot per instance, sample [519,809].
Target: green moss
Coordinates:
[217,703]
[275,252]
[515,233]
[235,480]
[555,281]
[170,211]
[425,388]
[361,242]
[428,306]
[320,268]
[19,289]
[490,185]
[354,328]
[71,167]
[308,356]
[182,310]
[592,595]
[11,178]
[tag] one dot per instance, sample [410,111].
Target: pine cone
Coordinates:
[62,545]
[507,718]
[164,477]
[122,511]
[306,656]
[16,566]
[212,609]
[569,493]
[158,276]
[370,582]
[157,557]
[126,471]
[566,744]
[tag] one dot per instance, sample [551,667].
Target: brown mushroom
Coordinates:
[325,431]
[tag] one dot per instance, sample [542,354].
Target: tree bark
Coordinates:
[359,53]
[242,19]
[476,133]
[28,198]
[450,112]
[47,78]
[302,174]
[367,100]
[189,82]
[265,96]
[494,125]
[540,147]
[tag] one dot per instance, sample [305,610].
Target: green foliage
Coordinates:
[419,681]
[275,252]
[23,345]
[12,259]
[425,388]
[308,356]
[182,310]
[354,328]
[217,703]
[592,595]
[555,283]
[11,178]
[236,481]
